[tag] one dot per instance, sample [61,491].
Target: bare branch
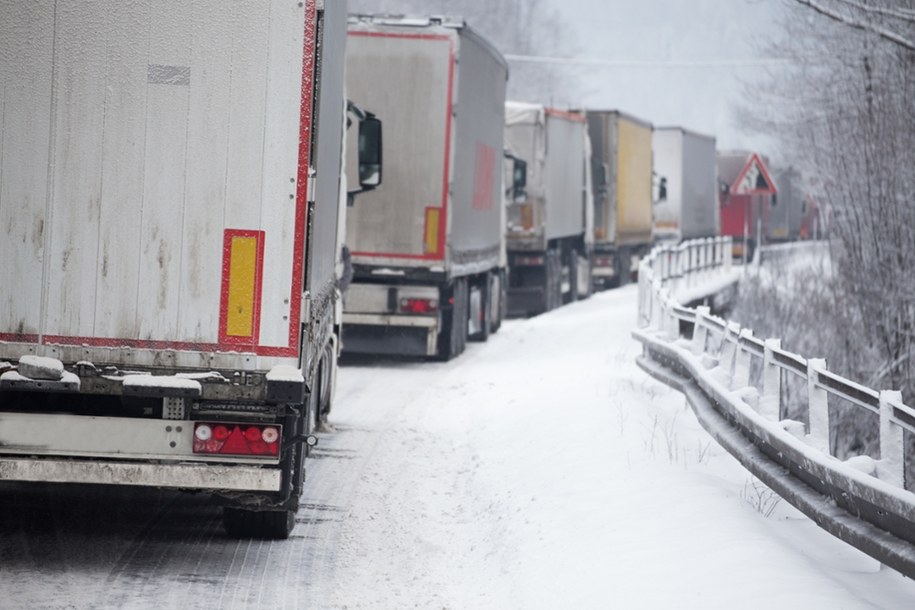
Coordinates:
[905,14]
[851,22]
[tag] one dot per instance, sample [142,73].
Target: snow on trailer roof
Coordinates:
[621,113]
[458,24]
[685,131]
[526,113]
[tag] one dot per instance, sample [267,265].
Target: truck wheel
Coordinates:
[260,524]
[485,310]
[624,265]
[453,337]
[497,302]
[573,277]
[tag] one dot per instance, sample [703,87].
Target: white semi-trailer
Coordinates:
[426,246]
[549,232]
[687,185]
[169,195]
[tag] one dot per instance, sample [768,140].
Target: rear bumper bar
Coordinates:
[184,476]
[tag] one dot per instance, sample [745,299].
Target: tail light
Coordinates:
[237,439]
[530,261]
[419,306]
[603,261]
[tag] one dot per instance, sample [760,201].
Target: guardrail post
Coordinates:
[728,349]
[817,407]
[657,320]
[700,330]
[741,377]
[671,319]
[891,465]
[770,401]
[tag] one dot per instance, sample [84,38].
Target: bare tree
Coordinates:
[846,114]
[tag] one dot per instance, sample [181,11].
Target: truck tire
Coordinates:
[259,524]
[624,266]
[573,277]
[498,296]
[485,307]
[453,337]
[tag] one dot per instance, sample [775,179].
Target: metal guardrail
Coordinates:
[734,381]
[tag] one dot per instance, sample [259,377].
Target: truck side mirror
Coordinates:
[519,179]
[369,153]
[662,189]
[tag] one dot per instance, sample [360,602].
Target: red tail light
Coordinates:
[237,439]
[420,306]
[529,261]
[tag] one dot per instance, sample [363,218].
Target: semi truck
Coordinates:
[621,167]
[686,181]
[426,246]
[549,232]
[169,197]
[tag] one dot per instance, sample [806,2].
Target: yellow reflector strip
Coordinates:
[432,237]
[242,286]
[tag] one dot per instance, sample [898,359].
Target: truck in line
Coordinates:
[621,168]
[426,247]
[686,177]
[747,194]
[170,191]
[549,217]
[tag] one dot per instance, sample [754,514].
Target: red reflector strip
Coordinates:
[237,439]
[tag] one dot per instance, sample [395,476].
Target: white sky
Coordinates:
[698,98]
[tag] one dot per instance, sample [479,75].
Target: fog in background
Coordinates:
[671,62]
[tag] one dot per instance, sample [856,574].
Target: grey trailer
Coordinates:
[426,246]
[549,217]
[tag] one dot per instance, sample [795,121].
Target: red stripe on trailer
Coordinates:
[18,338]
[449,111]
[568,116]
[301,198]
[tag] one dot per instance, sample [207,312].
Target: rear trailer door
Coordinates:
[152,180]
[406,76]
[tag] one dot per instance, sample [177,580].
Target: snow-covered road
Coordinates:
[539,470]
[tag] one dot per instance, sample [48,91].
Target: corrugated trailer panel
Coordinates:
[174,151]
[403,222]
[25,108]
[475,228]
[564,174]
[633,182]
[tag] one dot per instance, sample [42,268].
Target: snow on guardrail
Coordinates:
[734,381]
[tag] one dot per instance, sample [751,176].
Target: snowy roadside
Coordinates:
[544,470]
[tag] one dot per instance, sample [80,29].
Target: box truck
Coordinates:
[621,166]
[426,246]
[169,193]
[549,217]
[686,179]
